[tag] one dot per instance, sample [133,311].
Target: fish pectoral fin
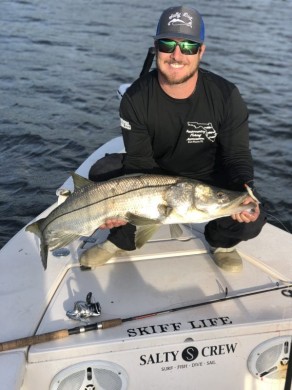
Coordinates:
[80,181]
[165,210]
[144,233]
[141,221]
[175,231]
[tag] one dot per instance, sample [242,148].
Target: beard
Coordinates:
[173,80]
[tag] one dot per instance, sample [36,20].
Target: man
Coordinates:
[180,119]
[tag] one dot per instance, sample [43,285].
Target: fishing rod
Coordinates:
[59,334]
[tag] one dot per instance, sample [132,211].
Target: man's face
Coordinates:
[177,68]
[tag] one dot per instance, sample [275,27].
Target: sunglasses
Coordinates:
[186,47]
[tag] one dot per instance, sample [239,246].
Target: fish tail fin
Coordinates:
[44,254]
[35,228]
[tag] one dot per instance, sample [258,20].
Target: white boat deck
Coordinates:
[164,274]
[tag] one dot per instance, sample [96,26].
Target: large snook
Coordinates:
[138,199]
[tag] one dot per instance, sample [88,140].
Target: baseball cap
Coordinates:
[181,22]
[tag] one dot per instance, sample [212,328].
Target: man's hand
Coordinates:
[113,222]
[247,216]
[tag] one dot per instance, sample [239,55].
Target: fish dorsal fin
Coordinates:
[80,181]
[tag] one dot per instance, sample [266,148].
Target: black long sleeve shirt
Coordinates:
[205,136]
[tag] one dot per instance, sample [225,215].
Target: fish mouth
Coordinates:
[231,207]
[237,206]
[249,206]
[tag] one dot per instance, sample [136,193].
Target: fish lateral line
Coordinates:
[97,202]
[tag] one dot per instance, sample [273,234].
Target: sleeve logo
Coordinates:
[125,125]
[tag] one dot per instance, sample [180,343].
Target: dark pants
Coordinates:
[222,232]
[225,232]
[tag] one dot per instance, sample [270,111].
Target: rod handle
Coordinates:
[111,323]
[37,339]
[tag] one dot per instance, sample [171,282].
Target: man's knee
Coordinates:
[253,229]
[226,232]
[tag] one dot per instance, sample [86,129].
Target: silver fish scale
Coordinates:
[89,207]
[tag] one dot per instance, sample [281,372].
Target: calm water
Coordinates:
[62,62]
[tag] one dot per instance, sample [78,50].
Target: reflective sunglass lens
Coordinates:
[189,48]
[166,46]
[186,47]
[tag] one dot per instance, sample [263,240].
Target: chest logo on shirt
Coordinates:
[199,132]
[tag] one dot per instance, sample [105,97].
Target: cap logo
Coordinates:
[179,19]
